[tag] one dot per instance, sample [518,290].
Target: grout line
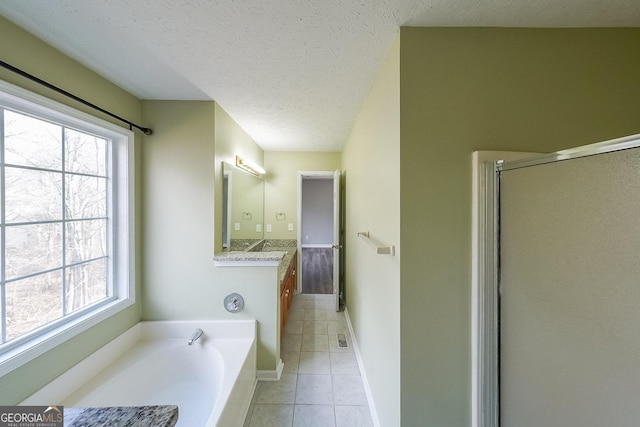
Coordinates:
[353,345]
[295,395]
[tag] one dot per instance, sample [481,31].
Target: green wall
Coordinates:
[466,89]
[181,170]
[231,140]
[182,201]
[371,160]
[281,186]
[25,51]
[178,205]
[440,94]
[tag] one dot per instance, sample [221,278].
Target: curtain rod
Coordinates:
[33,78]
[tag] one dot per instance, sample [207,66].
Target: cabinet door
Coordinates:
[283,307]
[290,287]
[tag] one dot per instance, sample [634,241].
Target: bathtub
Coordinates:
[211,381]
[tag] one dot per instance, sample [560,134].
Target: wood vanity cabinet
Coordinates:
[286,291]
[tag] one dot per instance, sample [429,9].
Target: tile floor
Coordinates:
[321,384]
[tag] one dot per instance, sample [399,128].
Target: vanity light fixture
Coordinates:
[249,166]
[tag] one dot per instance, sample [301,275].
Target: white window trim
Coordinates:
[123,231]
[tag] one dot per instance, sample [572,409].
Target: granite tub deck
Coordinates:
[280,252]
[139,416]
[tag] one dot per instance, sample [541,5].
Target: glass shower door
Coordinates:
[570,292]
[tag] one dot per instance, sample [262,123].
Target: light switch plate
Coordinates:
[268,228]
[236,226]
[290,226]
[258,228]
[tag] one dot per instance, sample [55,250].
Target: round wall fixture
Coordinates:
[234,303]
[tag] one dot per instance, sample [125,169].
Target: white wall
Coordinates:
[317,212]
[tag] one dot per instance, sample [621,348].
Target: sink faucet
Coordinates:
[266,246]
[196,334]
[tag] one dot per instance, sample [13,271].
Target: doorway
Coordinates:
[319,233]
[316,229]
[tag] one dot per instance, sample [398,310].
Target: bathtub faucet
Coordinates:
[196,334]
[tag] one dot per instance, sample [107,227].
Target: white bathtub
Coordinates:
[211,381]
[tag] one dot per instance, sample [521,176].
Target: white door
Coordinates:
[337,245]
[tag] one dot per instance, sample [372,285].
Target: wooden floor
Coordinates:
[317,270]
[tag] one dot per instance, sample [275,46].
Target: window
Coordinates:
[65,223]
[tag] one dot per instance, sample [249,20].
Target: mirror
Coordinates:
[242,208]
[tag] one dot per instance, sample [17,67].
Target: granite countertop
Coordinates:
[282,255]
[272,255]
[122,416]
[286,260]
[279,253]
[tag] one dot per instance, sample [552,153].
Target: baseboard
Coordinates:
[363,374]
[270,375]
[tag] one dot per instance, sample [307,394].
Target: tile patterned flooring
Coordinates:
[321,384]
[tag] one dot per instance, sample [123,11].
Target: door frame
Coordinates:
[302,175]
[485,404]
[484,298]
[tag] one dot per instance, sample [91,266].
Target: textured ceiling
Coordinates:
[293,74]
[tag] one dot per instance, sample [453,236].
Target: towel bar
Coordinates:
[382,250]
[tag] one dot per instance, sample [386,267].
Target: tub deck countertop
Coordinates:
[142,416]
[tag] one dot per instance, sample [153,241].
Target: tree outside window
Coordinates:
[55,222]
